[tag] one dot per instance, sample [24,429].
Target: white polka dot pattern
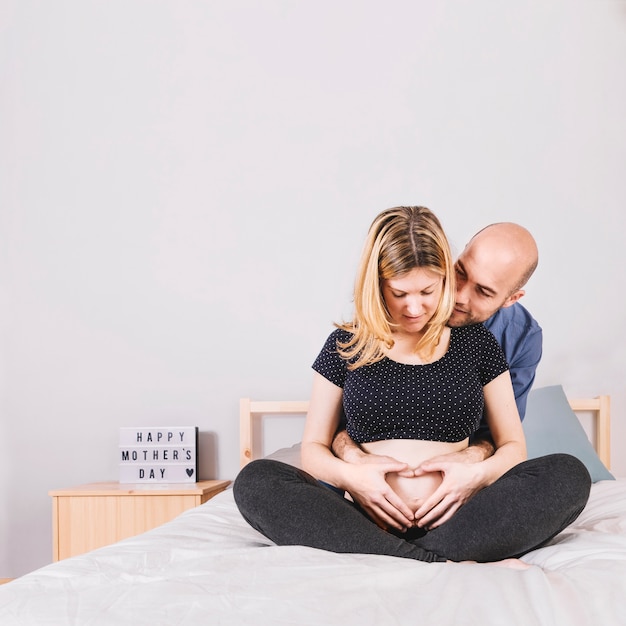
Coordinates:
[439,401]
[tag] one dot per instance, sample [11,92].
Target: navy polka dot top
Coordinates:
[439,401]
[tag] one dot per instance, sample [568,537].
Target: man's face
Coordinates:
[482,287]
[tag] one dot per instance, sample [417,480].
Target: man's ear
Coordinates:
[513,298]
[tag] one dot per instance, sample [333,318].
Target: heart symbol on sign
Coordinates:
[189,472]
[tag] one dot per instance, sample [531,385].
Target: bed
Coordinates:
[207,566]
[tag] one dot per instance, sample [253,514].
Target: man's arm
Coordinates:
[344,448]
[480,448]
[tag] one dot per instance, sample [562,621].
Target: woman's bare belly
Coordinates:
[413,491]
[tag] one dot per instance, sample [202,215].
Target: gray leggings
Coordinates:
[523,509]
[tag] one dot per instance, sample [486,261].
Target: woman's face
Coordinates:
[412,299]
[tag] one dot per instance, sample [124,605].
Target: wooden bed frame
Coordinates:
[250,410]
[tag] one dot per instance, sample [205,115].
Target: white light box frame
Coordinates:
[158,454]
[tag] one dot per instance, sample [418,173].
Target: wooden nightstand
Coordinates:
[94,515]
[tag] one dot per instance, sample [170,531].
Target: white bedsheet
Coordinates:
[209,567]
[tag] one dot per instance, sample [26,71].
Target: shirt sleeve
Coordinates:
[492,361]
[523,367]
[329,363]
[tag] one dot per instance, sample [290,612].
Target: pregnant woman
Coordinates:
[412,388]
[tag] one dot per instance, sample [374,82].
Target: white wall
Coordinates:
[185,187]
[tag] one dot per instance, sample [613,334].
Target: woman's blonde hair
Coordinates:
[399,240]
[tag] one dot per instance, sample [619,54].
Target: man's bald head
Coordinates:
[491,271]
[511,247]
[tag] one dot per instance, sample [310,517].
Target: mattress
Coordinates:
[208,566]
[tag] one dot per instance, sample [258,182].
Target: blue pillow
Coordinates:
[551,426]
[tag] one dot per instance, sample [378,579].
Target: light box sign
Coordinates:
[158,454]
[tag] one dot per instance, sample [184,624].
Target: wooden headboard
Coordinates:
[600,409]
[249,410]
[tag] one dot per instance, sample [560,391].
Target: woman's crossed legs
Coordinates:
[523,509]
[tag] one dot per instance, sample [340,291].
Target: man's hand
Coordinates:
[463,476]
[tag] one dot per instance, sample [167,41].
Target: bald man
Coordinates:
[491,273]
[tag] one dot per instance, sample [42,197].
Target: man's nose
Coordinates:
[462,293]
